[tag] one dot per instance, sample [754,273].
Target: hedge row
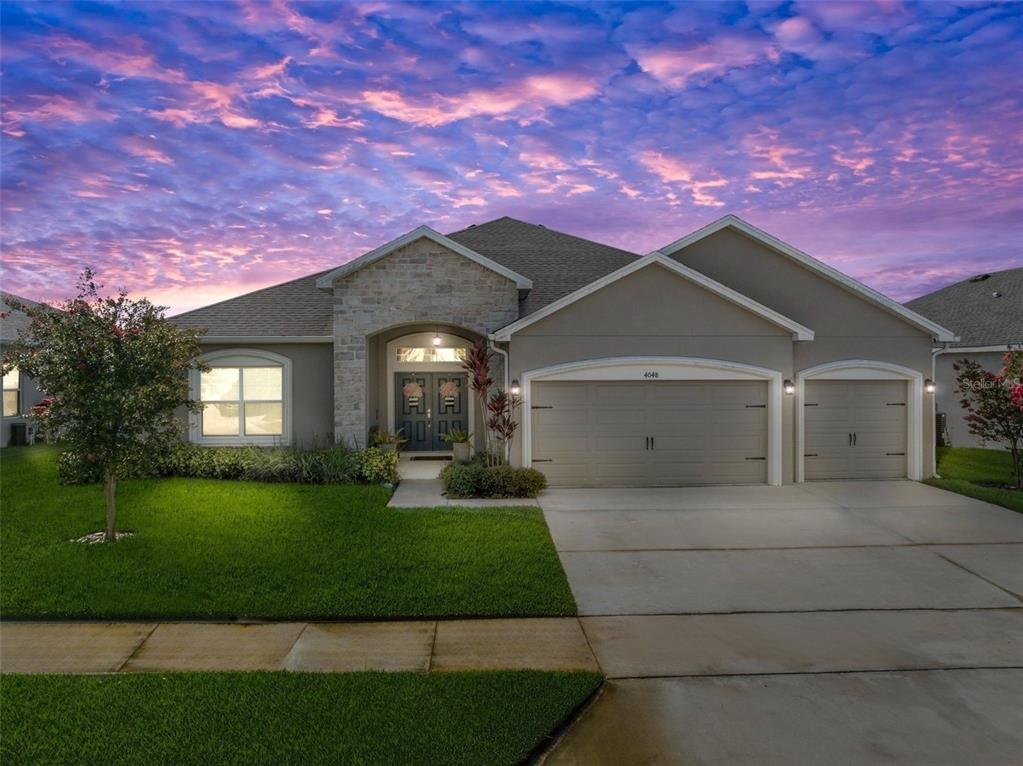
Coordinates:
[336,465]
[478,480]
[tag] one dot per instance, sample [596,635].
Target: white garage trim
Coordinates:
[637,368]
[868,369]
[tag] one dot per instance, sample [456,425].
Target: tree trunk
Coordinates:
[110,493]
[1017,463]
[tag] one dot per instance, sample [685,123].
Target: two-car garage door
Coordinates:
[650,433]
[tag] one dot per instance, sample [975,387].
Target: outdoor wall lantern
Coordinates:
[929,386]
[789,387]
[515,389]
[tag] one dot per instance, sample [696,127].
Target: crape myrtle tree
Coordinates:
[114,370]
[994,404]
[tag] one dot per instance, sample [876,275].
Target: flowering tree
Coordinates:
[114,370]
[994,404]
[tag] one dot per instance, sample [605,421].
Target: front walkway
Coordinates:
[338,647]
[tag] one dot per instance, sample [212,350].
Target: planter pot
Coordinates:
[460,452]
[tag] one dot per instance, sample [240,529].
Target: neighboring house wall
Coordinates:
[29,396]
[845,325]
[948,398]
[654,312]
[311,391]
[414,286]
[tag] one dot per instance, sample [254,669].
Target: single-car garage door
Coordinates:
[651,433]
[854,429]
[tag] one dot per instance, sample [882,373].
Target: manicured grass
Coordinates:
[278,718]
[961,468]
[220,549]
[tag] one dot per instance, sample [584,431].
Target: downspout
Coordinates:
[934,408]
[503,353]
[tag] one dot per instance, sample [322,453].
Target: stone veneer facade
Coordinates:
[421,282]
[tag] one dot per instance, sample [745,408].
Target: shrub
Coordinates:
[378,466]
[336,465]
[479,480]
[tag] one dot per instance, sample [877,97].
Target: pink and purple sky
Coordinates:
[191,151]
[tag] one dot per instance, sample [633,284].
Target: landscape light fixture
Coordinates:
[789,387]
[929,386]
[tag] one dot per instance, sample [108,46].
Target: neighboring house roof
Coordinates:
[295,309]
[834,275]
[557,263]
[985,310]
[422,232]
[799,332]
[13,322]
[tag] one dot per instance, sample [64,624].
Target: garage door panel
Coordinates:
[854,429]
[703,432]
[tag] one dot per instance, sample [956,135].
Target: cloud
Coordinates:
[673,171]
[675,65]
[527,99]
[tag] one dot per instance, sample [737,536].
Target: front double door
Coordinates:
[429,405]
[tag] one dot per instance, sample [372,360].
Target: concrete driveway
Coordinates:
[827,623]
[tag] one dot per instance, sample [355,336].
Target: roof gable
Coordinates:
[822,269]
[799,332]
[326,282]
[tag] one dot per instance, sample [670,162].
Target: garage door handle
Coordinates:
[809,454]
[854,439]
[542,407]
[756,458]
[538,460]
[651,442]
[895,453]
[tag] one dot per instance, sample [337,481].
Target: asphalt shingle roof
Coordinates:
[292,308]
[13,322]
[557,264]
[986,312]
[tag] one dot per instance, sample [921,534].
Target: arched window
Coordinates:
[246,399]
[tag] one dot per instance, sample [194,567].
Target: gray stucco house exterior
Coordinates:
[986,312]
[20,393]
[727,356]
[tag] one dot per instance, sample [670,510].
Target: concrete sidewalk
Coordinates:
[337,647]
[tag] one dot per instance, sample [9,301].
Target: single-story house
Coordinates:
[986,312]
[20,393]
[727,356]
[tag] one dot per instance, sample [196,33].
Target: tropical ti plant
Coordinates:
[114,371]
[994,404]
[477,367]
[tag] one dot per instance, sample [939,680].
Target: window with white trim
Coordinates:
[243,398]
[12,392]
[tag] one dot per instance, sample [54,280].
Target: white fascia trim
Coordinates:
[326,282]
[666,368]
[978,349]
[799,332]
[868,369]
[266,339]
[937,331]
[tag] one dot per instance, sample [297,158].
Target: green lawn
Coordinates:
[283,718]
[221,549]
[961,468]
